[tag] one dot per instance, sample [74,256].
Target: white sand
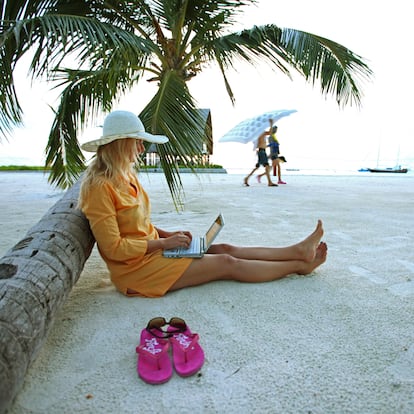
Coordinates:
[338,341]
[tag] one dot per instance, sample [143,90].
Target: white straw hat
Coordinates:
[122,124]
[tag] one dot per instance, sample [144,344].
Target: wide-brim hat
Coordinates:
[119,125]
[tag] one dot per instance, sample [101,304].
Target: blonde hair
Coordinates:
[112,164]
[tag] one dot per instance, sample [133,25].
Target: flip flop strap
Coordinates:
[183,341]
[151,351]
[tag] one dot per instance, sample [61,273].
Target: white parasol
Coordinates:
[249,129]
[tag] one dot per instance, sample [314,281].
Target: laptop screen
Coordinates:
[214,230]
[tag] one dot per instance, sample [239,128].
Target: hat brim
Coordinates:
[92,146]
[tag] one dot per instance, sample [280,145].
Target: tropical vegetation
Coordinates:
[95,51]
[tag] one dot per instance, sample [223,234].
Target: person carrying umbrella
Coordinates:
[262,158]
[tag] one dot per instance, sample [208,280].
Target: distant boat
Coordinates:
[397,170]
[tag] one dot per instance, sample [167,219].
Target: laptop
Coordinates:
[199,245]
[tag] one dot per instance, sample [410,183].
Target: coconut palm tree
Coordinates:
[97,50]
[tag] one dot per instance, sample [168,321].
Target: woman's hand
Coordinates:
[172,239]
[177,239]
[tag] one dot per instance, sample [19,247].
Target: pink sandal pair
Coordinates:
[154,365]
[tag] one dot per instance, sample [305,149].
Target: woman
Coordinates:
[274,154]
[118,210]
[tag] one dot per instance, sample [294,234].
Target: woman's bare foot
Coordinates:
[320,257]
[308,247]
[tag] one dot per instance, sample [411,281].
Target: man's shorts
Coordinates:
[262,158]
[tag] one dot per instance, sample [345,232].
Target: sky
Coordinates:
[320,135]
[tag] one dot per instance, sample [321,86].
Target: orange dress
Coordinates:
[120,222]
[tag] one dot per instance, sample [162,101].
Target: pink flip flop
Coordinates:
[154,365]
[188,356]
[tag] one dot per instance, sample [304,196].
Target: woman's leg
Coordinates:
[304,250]
[226,267]
[279,172]
[274,166]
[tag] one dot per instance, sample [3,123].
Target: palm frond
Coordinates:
[172,112]
[339,70]
[89,39]
[53,38]
[64,156]
[10,109]
[86,94]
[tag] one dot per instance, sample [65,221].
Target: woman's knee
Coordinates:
[226,262]
[222,262]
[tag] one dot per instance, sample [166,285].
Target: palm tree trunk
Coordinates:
[36,276]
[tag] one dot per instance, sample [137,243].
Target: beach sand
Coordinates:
[340,340]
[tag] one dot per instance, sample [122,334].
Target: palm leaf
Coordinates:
[64,156]
[85,95]
[172,112]
[339,70]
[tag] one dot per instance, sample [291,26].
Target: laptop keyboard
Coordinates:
[194,246]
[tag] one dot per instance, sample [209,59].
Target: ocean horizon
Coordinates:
[299,166]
